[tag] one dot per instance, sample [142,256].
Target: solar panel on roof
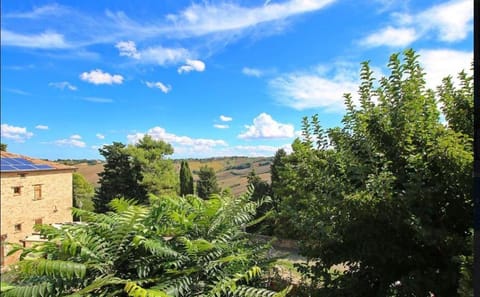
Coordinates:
[20,164]
[5,161]
[24,167]
[23,161]
[6,168]
[44,166]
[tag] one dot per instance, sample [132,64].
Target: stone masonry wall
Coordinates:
[53,207]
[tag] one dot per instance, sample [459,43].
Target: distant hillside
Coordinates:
[231,171]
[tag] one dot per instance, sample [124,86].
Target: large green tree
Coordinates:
[120,178]
[388,195]
[207,182]
[276,183]
[186,179]
[158,174]
[176,247]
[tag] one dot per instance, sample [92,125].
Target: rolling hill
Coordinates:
[231,171]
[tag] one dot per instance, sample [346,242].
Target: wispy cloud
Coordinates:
[39,12]
[206,18]
[227,21]
[63,85]
[17,134]
[219,126]
[265,127]
[73,141]
[41,127]
[159,85]
[192,65]
[252,72]
[45,40]
[97,99]
[100,136]
[157,55]
[98,77]
[260,150]
[19,67]
[321,87]
[224,118]
[17,91]
[448,22]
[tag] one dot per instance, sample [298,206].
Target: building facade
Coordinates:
[33,192]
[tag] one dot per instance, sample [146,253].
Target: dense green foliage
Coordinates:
[83,192]
[120,178]
[261,190]
[180,246]
[133,171]
[186,179]
[388,195]
[3,147]
[158,173]
[207,182]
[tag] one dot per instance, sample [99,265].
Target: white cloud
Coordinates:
[202,19]
[265,127]
[100,136]
[99,77]
[218,126]
[322,87]
[159,133]
[252,72]
[192,65]
[72,141]
[452,62]
[41,127]
[45,40]
[63,85]
[449,22]
[392,37]
[17,134]
[260,150]
[164,88]
[163,56]
[158,55]
[128,49]
[224,118]
[98,99]
[38,12]
[17,91]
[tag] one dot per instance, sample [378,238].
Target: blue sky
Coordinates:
[213,78]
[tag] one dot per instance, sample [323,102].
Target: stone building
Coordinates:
[33,192]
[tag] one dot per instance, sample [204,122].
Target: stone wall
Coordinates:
[22,209]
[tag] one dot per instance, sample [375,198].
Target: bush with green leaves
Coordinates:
[177,246]
[388,195]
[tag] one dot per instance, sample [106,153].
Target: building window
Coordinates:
[17,227]
[17,190]
[37,192]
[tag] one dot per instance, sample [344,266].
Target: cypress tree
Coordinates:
[186,179]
